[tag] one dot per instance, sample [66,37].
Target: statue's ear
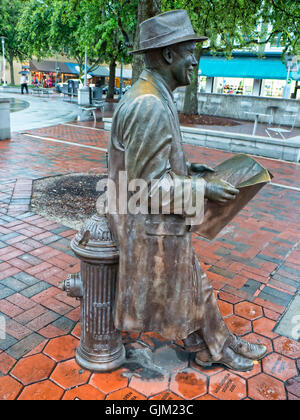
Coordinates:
[167,53]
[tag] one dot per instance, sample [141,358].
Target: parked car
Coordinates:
[126,88]
[105,89]
[59,87]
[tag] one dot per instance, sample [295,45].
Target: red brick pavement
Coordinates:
[253,266]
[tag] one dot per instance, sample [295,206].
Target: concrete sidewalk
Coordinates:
[254,267]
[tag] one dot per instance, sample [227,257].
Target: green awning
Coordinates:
[255,68]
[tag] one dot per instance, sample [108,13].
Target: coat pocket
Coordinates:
[165,228]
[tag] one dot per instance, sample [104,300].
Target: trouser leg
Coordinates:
[213,330]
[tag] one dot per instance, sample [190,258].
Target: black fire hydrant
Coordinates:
[100,347]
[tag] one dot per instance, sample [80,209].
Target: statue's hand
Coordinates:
[199,168]
[220,191]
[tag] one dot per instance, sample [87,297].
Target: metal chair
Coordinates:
[286,120]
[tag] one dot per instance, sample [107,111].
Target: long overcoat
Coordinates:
[159,286]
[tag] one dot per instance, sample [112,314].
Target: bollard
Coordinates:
[100,347]
[4,119]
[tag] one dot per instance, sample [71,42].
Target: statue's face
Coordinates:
[184,62]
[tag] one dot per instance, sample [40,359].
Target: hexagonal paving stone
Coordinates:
[9,388]
[85,393]
[259,339]
[279,366]
[264,387]
[68,374]
[33,368]
[189,384]
[227,386]
[76,331]
[207,397]
[125,394]
[264,326]
[207,371]
[238,325]
[255,371]
[167,395]
[226,309]
[293,388]
[248,310]
[109,382]
[6,363]
[42,391]
[171,358]
[62,348]
[287,347]
[149,387]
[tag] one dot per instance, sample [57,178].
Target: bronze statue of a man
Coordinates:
[162,286]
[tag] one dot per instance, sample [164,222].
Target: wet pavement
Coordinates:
[254,267]
[33,112]
[17,105]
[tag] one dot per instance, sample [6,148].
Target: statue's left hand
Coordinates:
[200,169]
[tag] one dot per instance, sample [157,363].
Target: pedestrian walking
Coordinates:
[24,83]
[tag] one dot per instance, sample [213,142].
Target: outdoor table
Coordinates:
[256,117]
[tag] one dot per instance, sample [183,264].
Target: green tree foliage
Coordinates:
[145,10]
[10,15]
[103,28]
[51,27]
[236,24]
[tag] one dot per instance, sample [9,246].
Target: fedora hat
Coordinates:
[166,29]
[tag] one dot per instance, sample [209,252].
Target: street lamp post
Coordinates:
[3,38]
[85,67]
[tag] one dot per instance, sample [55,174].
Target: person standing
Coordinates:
[24,83]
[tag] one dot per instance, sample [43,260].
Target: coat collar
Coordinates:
[155,79]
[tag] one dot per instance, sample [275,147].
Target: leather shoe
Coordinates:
[229,359]
[194,343]
[246,349]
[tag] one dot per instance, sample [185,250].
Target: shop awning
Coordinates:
[255,68]
[49,66]
[99,71]
[127,73]
[73,68]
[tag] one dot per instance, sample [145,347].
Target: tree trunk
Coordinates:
[190,106]
[111,83]
[146,10]
[11,68]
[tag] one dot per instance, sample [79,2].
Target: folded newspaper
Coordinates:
[245,174]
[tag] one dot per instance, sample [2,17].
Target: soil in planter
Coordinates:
[67,199]
[185,119]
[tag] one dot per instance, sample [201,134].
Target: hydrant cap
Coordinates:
[94,240]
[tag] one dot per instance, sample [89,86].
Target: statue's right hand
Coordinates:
[220,191]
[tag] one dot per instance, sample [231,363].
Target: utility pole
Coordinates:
[3,38]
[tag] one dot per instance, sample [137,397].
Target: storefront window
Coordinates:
[202,84]
[234,86]
[273,88]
